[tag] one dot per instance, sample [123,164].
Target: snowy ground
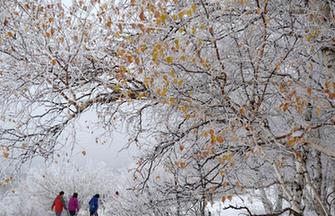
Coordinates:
[217,209]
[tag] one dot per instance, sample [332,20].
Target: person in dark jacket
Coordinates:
[59,204]
[73,205]
[94,205]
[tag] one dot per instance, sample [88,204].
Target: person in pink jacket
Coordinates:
[73,205]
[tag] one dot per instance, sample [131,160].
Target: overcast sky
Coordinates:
[86,132]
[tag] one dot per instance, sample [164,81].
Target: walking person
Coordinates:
[73,205]
[94,205]
[59,204]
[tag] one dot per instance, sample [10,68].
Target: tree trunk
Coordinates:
[268,207]
[279,200]
[299,183]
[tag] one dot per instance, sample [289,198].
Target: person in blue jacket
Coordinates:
[94,204]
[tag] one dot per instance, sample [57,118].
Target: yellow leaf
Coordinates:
[194,8]
[180,83]
[117,88]
[183,58]
[177,44]
[172,73]
[292,141]
[164,92]
[181,14]
[148,81]
[161,19]
[172,101]
[213,139]
[155,57]
[193,30]
[312,35]
[189,12]
[228,156]
[184,109]
[137,60]
[169,59]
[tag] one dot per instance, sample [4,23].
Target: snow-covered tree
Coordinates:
[236,95]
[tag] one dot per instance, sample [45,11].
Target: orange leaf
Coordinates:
[51,20]
[318,111]
[298,155]
[242,111]
[181,164]
[10,34]
[142,16]
[5,153]
[284,106]
[53,61]
[109,23]
[331,96]
[220,139]
[120,27]
[309,91]
[210,29]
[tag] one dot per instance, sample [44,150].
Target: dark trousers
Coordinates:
[94,213]
[72,213]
